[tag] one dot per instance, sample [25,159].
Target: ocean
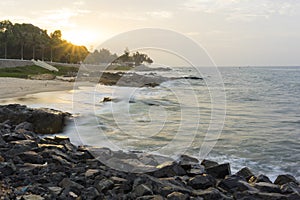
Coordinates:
[261,129]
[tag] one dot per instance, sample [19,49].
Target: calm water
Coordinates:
[261,129]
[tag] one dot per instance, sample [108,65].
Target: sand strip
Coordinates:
[15,87]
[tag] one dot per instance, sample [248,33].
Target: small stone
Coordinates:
[104,185]
[142,190]
[7,168]
[32,197]
[73,195]
[118,180]
[150,197]
[219,171]
[90,193]
[55,190]
[67,183]
[91,172]
[285,178]
[177,196]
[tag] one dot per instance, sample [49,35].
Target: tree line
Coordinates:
[26,41]
[105,56]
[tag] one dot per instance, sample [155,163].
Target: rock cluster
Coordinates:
[32,167]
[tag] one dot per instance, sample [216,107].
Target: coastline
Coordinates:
[32,167]
[16,87]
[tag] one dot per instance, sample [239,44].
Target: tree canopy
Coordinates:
[26,41]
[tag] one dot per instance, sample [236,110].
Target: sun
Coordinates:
[81,37]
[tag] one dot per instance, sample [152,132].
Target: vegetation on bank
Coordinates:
[27,71]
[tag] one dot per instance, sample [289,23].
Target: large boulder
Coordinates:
[44,121]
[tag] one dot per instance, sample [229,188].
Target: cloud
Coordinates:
[58,18]
[244,10]
[136,16]
[160,14]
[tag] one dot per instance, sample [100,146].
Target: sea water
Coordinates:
[261,128]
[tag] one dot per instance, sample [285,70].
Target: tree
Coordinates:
[5,34]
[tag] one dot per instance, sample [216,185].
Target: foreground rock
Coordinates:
[43,121]
[53,168]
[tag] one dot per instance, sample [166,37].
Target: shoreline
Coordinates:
[53,168]
[16,87]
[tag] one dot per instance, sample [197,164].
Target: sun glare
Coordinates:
[81,37]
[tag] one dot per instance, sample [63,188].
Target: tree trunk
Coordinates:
[22,50]
[33,52]
[5,51]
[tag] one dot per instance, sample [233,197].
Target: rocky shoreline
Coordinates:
[32,167]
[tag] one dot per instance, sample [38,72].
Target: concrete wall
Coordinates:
[7,63]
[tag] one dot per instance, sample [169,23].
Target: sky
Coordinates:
[232,32]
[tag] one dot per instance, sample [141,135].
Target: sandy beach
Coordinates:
[15,87]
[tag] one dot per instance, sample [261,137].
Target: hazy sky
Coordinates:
[234,32]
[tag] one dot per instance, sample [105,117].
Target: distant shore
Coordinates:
[15,87]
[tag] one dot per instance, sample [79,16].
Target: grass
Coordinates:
[25,72]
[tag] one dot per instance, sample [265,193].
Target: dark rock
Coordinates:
[31,157]
[68,184]
[196,171]
[150,197]
[118,180]
[260,178]
[187,162]
[267,187]
[177,196]
[202,181]
[7,168]
[90,193]
[250,195]
[245,173]
[44,121]
[209,163]
[104,185]
[193,78]
[24,126]
[168,169]
[142,190]
[91,173]
[209,194]
[290,187]
[106,99]
[285,178]
[219,171]
[55,190]
[233,184]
